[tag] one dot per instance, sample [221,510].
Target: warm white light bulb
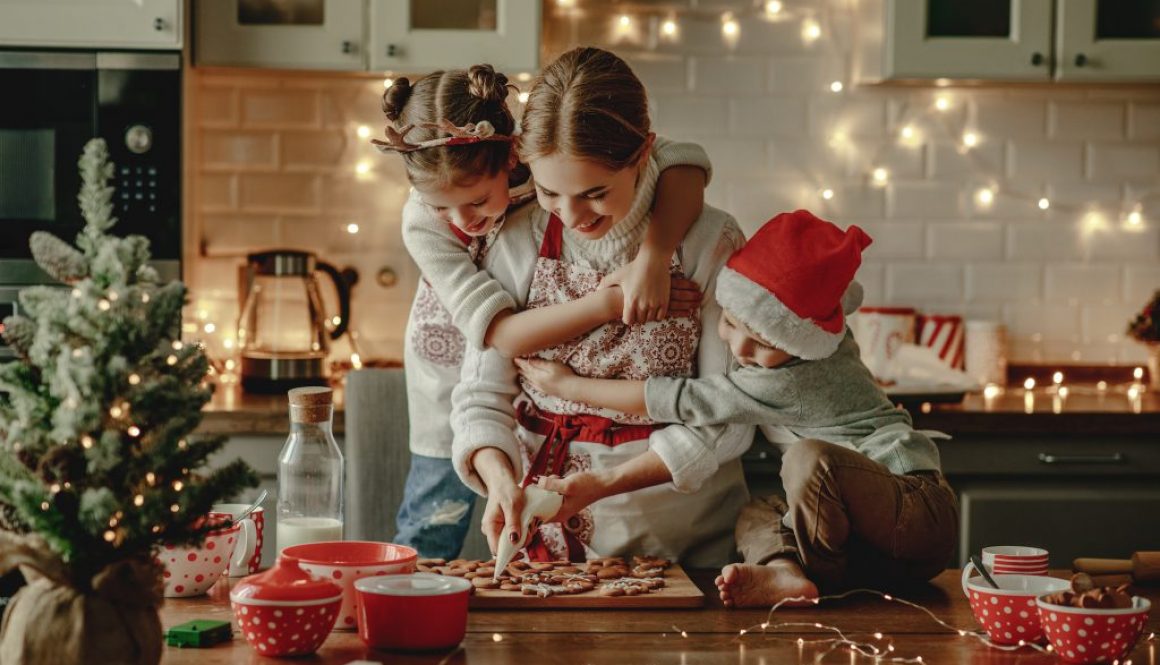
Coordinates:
[1029,383]
[908,132]
[811,31]
[970,139]
[730,28]
[209,328]
[836,86]
[1044,204]
[523,97]
[985,196]
[1135,218]
[942,103]
[669,27]
[827,194]
[1057,378]
[388,82]
[773,7]
[352,228]
[1138,373]
[364,132]
[624,20]
[881,175]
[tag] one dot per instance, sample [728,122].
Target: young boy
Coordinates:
[865,501]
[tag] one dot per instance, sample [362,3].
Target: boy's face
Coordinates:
[749,349]
[473,206]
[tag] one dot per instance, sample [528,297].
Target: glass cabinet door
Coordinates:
[985,39]
[414,36]
[290,34]
[1108,40]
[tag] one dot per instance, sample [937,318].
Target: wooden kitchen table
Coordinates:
[679,637]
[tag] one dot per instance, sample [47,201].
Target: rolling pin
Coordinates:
[1144,567]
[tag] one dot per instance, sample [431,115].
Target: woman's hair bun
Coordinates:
[395,98]
[486,83]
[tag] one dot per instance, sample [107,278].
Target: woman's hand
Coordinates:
[505,505]
[547,376]
[580,490]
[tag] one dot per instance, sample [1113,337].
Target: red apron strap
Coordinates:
[459,233]
[553,243]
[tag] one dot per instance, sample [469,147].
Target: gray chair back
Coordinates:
[378,458]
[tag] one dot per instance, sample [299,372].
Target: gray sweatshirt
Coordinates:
[834,399]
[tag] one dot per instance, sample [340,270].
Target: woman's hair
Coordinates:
[461,97]
[587,104]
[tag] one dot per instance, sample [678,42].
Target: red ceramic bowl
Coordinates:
[1008,613]
[344,561]
[419,612]
[1086,635]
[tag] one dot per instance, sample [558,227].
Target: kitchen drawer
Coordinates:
[1050,456]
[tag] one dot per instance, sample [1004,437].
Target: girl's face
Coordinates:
[588,197]
[474,207]
[747,348]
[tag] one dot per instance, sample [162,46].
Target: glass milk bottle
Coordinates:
[310,472]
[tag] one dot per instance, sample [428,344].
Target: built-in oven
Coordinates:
[54,102]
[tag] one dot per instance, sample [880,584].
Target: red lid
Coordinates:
[285,582]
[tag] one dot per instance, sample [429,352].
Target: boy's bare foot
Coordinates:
[749,585]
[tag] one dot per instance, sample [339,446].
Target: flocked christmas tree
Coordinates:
[97,456]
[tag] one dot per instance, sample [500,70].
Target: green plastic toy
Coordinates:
[199,633]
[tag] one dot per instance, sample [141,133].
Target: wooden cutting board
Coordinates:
[679,591]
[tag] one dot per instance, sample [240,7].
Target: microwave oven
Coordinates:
[55,101]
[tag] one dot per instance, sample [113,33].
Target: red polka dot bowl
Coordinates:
[1084,635]
[285,611]
[191,571]
[419,612]
[344,561]
[1009,614]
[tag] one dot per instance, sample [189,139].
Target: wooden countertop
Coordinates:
[711,634]
[1084,411]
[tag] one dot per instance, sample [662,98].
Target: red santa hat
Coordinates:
[786,283]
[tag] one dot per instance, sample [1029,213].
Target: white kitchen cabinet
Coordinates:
[284,34]
[420,35]
[130,24]
[406,36]
[1009,40]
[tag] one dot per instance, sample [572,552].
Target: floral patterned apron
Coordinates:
[560,437]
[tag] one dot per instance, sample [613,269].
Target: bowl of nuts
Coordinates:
[416,612]
[1089,624]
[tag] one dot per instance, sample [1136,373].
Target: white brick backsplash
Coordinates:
[803,74]
[949,162]
[1140,282]
[893,240]
[1085,120]
[1045,240]
[677,115]
[968,241]
[777,116]
[1038,162]
[914,283]
[1011,118]
[1125,243]
[924,200]
[660,73]
[735,75]
[274,156]
[850,115]
[1106,323]
[1021,282]
[1082,283]
[1144,121]
[1108,162]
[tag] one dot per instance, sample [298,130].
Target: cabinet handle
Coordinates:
[1114,458]
[1081,60]
[159,24]
[392,50]
[347,46]
[1037,59]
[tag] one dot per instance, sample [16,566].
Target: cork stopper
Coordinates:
[312,404]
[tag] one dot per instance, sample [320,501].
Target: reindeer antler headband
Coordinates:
[470,133]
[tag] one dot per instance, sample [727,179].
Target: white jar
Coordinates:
[986,352]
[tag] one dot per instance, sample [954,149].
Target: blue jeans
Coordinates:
[436,509]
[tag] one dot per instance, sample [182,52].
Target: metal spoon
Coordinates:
[983,571]
[253,506]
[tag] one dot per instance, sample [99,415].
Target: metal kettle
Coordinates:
[283,331]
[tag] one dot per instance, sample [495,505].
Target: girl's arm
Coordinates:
[554,378]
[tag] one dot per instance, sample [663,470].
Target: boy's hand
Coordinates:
[546,376]
[505,505]
[580,490]
[684,297]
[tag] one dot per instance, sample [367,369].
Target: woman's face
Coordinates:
[588,197]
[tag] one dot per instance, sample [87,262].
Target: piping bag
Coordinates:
[538,503]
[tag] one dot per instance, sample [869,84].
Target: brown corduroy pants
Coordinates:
[854,523]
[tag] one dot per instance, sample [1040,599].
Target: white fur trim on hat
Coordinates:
[771,320]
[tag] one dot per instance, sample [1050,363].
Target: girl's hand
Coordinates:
[547,376]
[580,490]
[646,288]
[505,505]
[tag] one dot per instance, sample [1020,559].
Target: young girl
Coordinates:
[628,484]
[865,502]
[455,133]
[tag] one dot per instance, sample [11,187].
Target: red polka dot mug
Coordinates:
[191,571]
